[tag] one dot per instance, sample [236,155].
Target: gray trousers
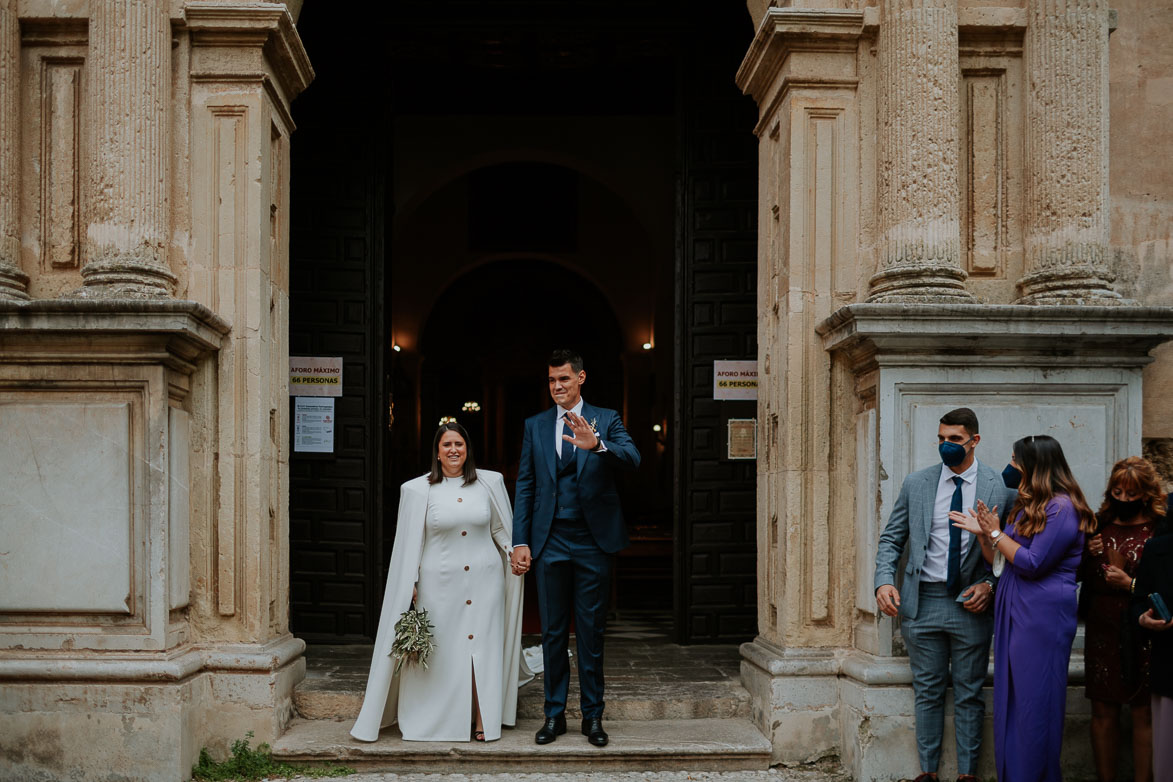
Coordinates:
[947,642]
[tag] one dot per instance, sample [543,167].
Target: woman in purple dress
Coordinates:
[1035,606]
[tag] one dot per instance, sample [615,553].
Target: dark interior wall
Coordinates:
[607,59]
[716,294]
[338,168]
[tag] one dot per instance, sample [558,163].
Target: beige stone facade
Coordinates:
[960,203]
[143,356]
[937,229]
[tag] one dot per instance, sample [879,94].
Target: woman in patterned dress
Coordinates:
[1116,655]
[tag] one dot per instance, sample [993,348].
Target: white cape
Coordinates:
[380,706]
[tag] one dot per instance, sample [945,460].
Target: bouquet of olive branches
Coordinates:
[413,638]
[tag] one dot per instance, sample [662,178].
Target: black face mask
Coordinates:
[1126,510]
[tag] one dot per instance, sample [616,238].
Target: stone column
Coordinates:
[13,281]
[919,203]
[129,83]
[1066,209]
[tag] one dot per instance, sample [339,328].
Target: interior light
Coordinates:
[657,428]
[647,346]
[471,407]
[396,348]
[448,419]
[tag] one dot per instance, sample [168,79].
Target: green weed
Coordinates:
[250,765]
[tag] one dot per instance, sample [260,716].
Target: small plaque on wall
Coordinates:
[743,438]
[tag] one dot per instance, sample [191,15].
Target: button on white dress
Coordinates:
[462,586]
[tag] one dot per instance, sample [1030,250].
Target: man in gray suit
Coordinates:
[947,590]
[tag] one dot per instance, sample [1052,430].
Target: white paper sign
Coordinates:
[310,376]
[735,380]
[313,425]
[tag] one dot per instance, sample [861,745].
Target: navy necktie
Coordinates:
[954,571]
[567,449]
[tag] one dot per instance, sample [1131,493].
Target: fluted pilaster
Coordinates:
[919,229]
[13,281]
[129,78]
[1066,209]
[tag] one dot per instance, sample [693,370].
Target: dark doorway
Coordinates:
[486,341]
[458,168]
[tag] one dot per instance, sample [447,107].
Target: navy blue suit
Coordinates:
[571,544]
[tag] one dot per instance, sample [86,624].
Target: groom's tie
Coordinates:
[954,572]
[567,449]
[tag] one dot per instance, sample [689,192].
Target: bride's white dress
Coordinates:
[453,543]
[462,586]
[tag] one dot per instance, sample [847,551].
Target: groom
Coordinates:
[567,524]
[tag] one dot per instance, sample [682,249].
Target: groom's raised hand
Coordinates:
[584,436]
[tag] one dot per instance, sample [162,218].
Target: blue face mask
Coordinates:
[1011,476]
[952,454]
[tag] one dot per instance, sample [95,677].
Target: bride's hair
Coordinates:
[470,468]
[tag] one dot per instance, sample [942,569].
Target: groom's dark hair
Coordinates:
[562,357]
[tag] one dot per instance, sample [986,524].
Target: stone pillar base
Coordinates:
[125,278]
[141,717]
[795,699]
[817,703]
[14,283]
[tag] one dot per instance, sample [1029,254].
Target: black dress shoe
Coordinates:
[551,729]
[592,728]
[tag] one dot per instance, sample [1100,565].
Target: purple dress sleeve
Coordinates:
[1049,547]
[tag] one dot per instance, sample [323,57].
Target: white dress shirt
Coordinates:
[936,564]
[560,423]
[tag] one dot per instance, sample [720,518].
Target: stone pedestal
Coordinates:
[102,659]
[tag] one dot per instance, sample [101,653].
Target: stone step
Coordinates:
[636,745]
[333,699]
[662,682]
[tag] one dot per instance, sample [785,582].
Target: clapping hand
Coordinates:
[977,521]
[584,436]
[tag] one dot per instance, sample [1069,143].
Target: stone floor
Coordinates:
[803,774]
[647,677]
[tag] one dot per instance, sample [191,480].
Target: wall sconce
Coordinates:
[471,407]
[657,428]
[396,348]
[448,419]
[647,346]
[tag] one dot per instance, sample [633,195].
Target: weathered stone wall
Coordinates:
[919,154]
[144,179]
[1141,179]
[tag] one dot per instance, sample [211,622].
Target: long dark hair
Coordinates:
[470,467]
[1045,474]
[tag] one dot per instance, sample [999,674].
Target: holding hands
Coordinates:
[519,560]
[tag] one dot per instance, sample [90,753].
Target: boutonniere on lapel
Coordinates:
[594,427]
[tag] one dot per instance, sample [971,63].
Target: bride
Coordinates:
[451,556]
